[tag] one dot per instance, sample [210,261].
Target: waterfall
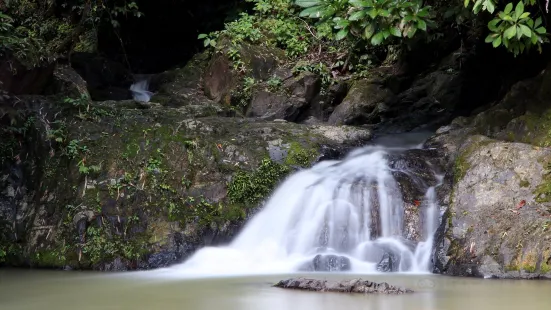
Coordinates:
[345,215]
[140,90]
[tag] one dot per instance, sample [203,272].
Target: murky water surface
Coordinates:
[72,290]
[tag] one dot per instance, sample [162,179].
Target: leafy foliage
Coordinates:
[36,31]
[515,29]
[375,21]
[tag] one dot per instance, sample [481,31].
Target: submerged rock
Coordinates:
[389,263]
[328,263]
[346,286]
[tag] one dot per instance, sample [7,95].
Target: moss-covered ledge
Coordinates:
[118,188]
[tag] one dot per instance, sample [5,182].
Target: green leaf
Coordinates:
[395,31]
[369,31]
[384,13]
[202,36]
[372,13]
[206,43]
[386,33]
[341,34]
[377,39]
[491,37]
[540,30]
[505,42]
[524,15]
[489,6]
[313,12]
[522,46]
[412,32]
[538,22]
[477,6]
[359,3]
[527,32]
[510,32]
[508,8]
[423,13]
[422,25]
[497,42]
[212,43]
[492,25]
[466,3]
[357,15]
[534,38]
[307,3]
[519,9]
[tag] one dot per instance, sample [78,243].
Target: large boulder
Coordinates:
[125,186]
[362,105]
[68,82]
[221,79]
[289,102]
[499,215]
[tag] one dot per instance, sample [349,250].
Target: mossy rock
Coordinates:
[126,187]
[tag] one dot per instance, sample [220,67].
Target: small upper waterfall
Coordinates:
[337,216]
[140,90]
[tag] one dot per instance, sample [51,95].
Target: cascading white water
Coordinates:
[351,208]
[140,90]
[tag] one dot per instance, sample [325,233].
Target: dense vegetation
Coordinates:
[41,30]
[36,31]
[347,35]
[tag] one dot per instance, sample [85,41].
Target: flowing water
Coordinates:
[345,215]
[24,290]
[140,90]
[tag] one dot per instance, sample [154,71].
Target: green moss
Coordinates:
[300,156]
[250,188]
[524,183]
[538,126]
[462,164]
[543,190]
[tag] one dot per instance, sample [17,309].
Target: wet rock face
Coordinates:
[347,286]
[388,263]
[499,213]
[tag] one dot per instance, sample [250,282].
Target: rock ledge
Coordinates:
[346,286]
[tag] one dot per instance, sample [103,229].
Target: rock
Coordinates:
[68,82]
[271,106]
[157,182]
[345,286]
[181,87]
[362,105]
[389,263]
[329,263]
[304,86]
[497,222]
[220,79]
[15,78]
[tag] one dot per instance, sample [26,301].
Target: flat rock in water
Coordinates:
[346,286]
